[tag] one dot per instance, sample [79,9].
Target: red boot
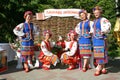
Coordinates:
[97,73]
[26,70]
[104,71]
[46,67]
[84,69]
[71,67]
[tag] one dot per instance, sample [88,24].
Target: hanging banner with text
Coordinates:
[58,12]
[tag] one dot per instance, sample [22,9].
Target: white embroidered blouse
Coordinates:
[18,30]
[73,49]
[45,49]
[77,28]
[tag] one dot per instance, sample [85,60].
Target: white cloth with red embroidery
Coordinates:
[77,28]
[45,50]
[73,49]
[105,26]
[18,30]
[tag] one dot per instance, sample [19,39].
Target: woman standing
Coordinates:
[71,54]
[100,28]
[46,56]
[84,30]
[26,31]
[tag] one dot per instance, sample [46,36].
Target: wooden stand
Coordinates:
[3,60]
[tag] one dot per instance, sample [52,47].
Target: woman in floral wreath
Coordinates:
[71,54]
[84,31]
[26,31]
[46,57]
[101,27]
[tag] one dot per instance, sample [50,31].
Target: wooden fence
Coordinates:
[57,25]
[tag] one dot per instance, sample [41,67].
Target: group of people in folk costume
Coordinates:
[87,37]
[93,32]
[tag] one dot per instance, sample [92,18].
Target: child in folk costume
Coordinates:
[84,31]
[101,27]
[26,31]
[71,56]
[46,57]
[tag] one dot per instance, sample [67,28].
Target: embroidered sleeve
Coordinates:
[105,25]
[91,27]
[18,30]
[77,29]
[45,50]
[72,50]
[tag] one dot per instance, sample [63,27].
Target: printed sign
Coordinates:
[58,12]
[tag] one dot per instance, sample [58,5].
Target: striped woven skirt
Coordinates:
[27,50]
[100,52]
[85,50]
[85,46]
